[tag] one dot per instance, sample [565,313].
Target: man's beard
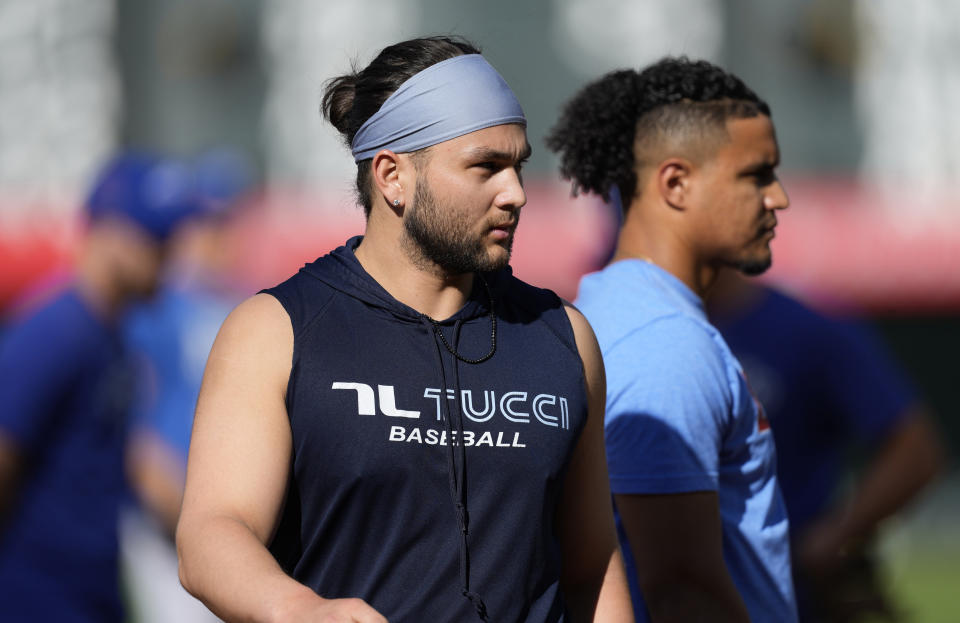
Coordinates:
[436,235]
[754,267]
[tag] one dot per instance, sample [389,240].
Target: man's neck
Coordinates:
[734,295]
[97,287]
[663,246]
[427,289]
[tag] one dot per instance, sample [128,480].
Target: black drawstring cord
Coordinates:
[493,330]
[451,461]
[474,597]
[457,480]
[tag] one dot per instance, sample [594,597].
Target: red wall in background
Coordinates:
[832,247]
[31,252]
[836,247]
[559,239]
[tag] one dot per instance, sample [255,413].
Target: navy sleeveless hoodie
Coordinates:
[415,473]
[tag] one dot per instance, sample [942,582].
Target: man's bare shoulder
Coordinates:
[581,326]
[586,339]
[258,329]
[575,315]
[259,313]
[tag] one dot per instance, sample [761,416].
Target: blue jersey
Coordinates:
[65,389]
[827,386]
[681,418]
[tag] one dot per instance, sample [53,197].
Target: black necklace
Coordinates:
[493,331]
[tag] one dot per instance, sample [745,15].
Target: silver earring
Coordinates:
[396,203]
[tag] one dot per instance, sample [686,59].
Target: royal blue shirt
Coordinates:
[828,387]
[65,389]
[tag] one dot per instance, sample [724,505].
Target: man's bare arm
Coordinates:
[594,582]
[237,476]
[156,475]
[676,541]
[908,459]
[11,466]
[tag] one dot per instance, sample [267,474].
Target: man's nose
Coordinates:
[776,197]
[511,196]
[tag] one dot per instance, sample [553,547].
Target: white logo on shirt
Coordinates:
[514,406]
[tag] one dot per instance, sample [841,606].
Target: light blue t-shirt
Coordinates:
[172,336]
[680,418]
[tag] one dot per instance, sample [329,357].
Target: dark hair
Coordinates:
[349,100]
[599,127]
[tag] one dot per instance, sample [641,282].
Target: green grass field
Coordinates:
[927,585]
[922,557]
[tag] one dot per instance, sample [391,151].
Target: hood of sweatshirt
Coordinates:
[341,270]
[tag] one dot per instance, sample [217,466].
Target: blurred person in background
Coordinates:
[66,387]
[339,421]
[692,153]
[170,337]
[835,401]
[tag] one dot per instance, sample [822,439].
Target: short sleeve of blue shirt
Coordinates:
[668,400]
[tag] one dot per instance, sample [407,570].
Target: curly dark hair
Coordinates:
[599,128]
[351,99]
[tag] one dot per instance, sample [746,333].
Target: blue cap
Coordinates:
[154,193]
[222,176]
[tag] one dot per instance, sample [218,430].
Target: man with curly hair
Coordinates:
[690,151]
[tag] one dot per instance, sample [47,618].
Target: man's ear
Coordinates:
[388,171]
[675,181]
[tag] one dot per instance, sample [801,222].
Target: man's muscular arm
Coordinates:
[594,582]
[237,475]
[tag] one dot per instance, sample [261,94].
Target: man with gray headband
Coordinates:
[403,430]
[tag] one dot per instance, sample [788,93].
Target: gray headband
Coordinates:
[446,100]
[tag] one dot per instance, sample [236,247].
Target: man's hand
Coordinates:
[311,608]
[822,547]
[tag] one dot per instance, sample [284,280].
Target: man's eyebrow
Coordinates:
[762,166]
[487,153]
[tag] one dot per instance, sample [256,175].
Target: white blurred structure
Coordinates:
[60,99]
[305,44]
[908,96]
[597,36]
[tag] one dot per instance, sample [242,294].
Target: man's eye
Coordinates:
[765,177]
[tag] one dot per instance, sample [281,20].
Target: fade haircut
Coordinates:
[351,99]
[620,123]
